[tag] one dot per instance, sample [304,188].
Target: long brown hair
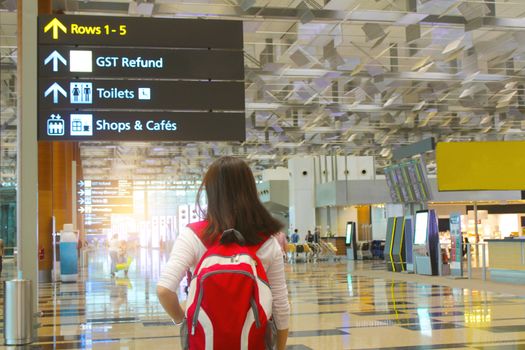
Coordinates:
[233,202]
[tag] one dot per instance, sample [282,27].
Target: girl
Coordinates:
[232,203]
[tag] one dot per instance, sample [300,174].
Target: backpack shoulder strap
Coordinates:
[198,228]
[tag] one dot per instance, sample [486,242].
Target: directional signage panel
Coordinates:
[141,94]
[125,126]
[140,79]
[99,198]
[139,32]
[141,63]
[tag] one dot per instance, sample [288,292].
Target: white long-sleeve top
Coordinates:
[189,249]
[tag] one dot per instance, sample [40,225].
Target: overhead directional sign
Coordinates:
[155,63]
[142,94]
[124,126]
[108,78]
[140,32]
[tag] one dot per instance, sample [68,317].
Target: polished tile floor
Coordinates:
[334,306]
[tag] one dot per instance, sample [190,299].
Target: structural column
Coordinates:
[302,194]
[45,194]
[27,147]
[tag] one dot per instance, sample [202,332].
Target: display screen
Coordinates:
[420,232]
[408,182]
[394,191]
[349,233]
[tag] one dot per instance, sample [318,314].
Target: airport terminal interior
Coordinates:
[387,136]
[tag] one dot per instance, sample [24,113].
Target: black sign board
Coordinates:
[140,79]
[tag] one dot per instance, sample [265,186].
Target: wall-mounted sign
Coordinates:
[107,78]
[97,199]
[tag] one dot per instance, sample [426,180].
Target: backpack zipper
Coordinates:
[201,292]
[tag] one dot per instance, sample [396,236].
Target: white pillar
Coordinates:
[27,147]
[302,194]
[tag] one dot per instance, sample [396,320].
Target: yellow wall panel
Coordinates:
[463,166]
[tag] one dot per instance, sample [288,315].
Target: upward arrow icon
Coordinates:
[55,24]
[55,89]
[55,57]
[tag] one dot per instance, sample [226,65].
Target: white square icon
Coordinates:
[80,61]
[81,125]
[144,94]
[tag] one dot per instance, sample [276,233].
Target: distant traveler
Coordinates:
[1,255]
[309,237]
[114,247]
[465,244]
[228,296]
[295,236]
[317,235]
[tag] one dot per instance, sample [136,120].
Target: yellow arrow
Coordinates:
[55,24]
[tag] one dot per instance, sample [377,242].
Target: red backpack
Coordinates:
[229,304]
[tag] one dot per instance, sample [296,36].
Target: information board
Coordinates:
[393,187]
[99,199]
[109,78]
[407,182]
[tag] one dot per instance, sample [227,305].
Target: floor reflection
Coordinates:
[334,306]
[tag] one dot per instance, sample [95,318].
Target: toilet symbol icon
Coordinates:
[81,92]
